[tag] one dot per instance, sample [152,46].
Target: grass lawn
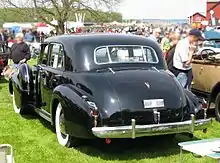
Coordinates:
[35,142]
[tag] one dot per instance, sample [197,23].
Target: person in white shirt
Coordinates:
[155,35]
[183,57]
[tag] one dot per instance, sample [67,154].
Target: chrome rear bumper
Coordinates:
[134,130]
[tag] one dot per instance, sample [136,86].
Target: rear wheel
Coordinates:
[217,107]
[63,138]
[27,110]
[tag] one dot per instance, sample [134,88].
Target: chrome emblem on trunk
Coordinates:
[147,85]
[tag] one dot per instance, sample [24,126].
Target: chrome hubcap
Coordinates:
[62,125]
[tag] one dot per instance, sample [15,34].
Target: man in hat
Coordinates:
[183,57]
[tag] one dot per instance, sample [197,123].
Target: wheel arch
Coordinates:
[214,92]
[54,105]
[76,112]
[67,96]
[10,87]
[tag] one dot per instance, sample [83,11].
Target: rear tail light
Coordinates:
[108,141]
[93,110]
[204,104]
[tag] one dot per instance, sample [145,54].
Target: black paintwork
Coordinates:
[118,95]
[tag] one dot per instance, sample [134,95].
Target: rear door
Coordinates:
[51,74]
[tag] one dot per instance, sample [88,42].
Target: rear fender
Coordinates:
[76,113]
[25,77]
[21,85]
[195,105]
[10,86]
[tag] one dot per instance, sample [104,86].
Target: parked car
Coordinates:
[105,86]
[211,44]
[4,54]
[206,80]
[34,48]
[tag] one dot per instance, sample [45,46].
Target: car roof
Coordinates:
[100,37]
[80,47]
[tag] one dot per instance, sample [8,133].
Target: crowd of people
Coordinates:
[177,43]
[178,51]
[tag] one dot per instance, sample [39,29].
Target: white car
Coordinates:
[217,28]
[211,45]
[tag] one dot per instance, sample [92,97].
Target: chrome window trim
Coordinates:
[110,61]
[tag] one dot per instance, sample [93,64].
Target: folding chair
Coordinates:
[6,153]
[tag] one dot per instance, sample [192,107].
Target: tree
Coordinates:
[60,10]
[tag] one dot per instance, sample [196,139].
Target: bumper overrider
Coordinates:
[133,131]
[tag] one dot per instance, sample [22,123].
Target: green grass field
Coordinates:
[34,141]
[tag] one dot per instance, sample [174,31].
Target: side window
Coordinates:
[44,54]
[56,56]
[150,55]
[101,55]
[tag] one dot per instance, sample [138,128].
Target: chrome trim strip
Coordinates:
[134,131]
[193,123]
[43,114]
[133,128]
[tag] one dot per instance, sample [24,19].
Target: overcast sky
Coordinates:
[162,9]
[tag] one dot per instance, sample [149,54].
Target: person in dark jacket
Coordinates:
[174,38]
[20,51]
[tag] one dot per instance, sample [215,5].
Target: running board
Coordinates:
[44,114]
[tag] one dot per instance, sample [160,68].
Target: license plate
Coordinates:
[153,103]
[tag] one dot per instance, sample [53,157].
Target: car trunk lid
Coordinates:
[136,89]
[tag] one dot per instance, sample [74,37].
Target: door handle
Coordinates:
[201,69]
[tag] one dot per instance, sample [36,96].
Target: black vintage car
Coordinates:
[105,86]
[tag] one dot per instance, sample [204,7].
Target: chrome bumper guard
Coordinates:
[133,131]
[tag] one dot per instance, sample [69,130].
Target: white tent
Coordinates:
[22,25]
[45,30]
[10,25]
[71,24]
[54,22]
[115,23]
[25,25]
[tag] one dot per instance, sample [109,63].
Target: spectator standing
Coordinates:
[20,52]
[3,36]
[29,36]
[174,39]
[156,34]
[165,43]
[183,57]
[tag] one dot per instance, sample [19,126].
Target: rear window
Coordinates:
[125,54]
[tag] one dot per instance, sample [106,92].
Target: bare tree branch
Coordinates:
[61,10]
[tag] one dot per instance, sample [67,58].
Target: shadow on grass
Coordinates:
[141,148]
[44,122]
[3,80]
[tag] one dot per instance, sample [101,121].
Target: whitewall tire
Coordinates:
[63,138]
[16,109]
